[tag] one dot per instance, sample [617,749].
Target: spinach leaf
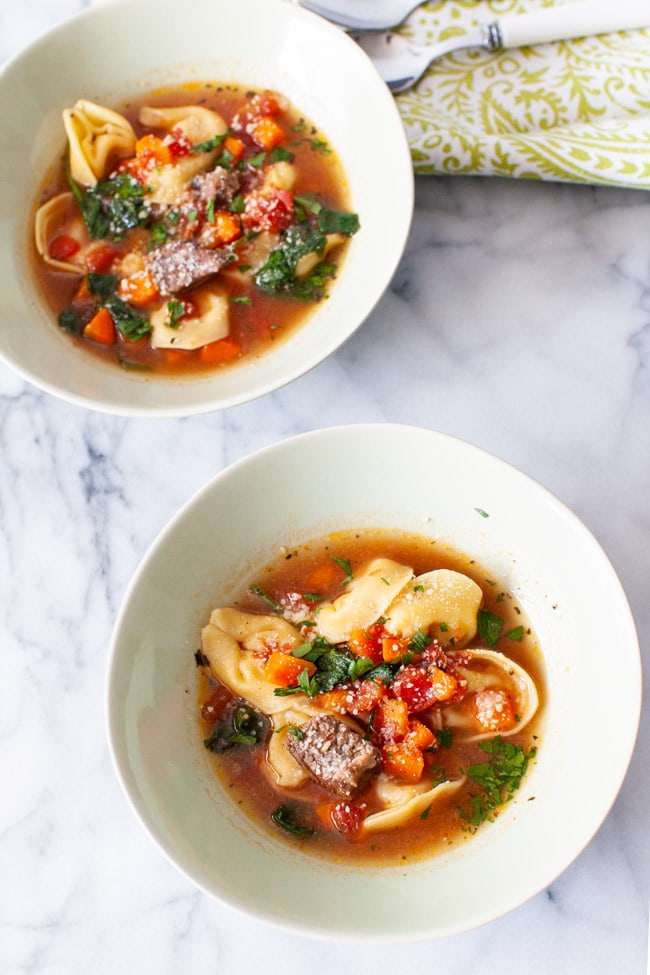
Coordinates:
[278,275]
[284,818]
[112,206]
[127,320]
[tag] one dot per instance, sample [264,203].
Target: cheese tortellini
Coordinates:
[98,137]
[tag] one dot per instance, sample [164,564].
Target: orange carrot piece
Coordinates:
[223,350]
[391,719]
[444,685]
[393,647]
[419,735]
[151,147]
[266,132]
[101,328]
[138,288]
[284,670]
[403,762]
[234,146]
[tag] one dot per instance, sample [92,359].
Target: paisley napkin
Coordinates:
[574,111]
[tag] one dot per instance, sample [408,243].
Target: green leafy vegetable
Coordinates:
[240,725]
[261,594]
[344,564]
[284,818]
[489,627]
[112,206]
[498,778]
[517,633]
[209,144]
[127,320]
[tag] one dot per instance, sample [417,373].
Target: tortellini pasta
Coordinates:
[210,325]
[366,598]
[402,802]
[97,138]
[61,214]
[441,603]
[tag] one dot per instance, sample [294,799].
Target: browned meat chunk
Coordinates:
[220,185]
[179,264]
[335,755]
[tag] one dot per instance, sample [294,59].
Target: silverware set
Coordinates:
[401,63]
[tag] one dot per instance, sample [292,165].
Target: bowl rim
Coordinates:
[252,379]
[326,932]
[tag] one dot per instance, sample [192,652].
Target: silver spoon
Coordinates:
[402,63]
[363,14]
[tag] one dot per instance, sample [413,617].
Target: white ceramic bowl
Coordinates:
[373,476]
[110,52]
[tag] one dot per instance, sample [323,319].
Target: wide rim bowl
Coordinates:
[316,65]
[399,477]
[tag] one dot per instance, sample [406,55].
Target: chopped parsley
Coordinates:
[489,627]
[344,565]
[498,779]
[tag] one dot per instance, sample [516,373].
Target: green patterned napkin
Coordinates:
[575,111]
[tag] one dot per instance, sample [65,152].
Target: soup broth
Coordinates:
[438,707]
[207,226]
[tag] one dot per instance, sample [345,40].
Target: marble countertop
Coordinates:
[523,313]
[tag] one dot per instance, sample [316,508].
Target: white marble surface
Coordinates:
[519,320]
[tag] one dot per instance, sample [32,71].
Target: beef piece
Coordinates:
[179,264]
[335,755]
[220,185]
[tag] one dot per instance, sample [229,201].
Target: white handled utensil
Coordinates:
[401,63]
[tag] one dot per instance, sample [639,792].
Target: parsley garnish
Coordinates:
[209,144]
[515,634]
[259,592]
[489,627]
[498,778]
[344,564]
[176,311]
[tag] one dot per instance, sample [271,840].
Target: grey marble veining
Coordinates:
[519,320]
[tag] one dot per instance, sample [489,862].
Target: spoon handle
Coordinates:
[581,18]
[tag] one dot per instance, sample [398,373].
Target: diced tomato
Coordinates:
[215,705]
[414,686]
[101,328]
[391,721]
[265,103]
[98,259]
[283,670]
[138,288]
[272,211]
[347,816]
[178,143]
[223,350]
[266,132]
[403,761]
[63,247]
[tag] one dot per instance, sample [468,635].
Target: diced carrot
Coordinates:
[419,735]
[222,228]
[175,357]
[234,146]
[101,328]
[266,132]
[393,647]
[445,685]
[223,350]
[367,643]
[63,247]
[338,700]
[150,147]
[138,288]
[391,719]
[283,670]
[403,761]
[82,293]
[494,709]
[322,576]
